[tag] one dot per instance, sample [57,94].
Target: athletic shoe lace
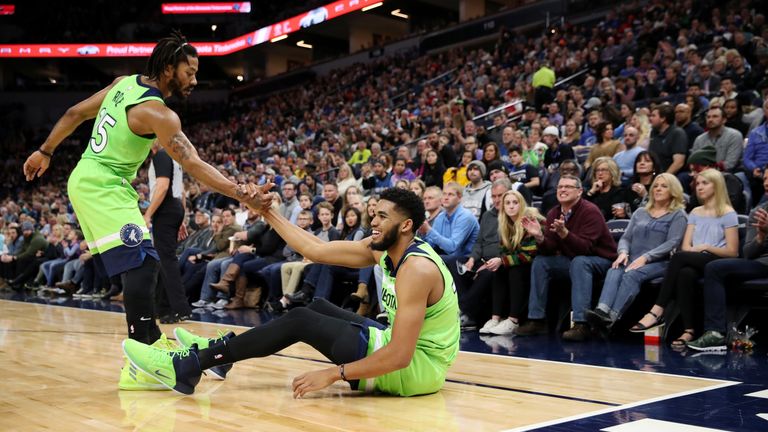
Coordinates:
[159,356]
[221,334]
[166,344]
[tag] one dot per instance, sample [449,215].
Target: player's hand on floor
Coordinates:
[313,381]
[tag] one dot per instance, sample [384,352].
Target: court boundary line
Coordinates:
[622,407]
[475,384]
[665,374]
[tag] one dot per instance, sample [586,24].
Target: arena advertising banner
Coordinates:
[206,8]
[278,30]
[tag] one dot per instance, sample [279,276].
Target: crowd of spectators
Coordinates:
[655,88]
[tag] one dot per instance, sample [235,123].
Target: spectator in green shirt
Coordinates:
[543,81]
[361,155]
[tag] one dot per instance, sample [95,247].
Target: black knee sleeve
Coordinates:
[138,297]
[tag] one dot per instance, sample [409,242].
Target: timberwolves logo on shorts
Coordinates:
[131,235]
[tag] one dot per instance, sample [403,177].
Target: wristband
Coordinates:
[341,372]
[45,153]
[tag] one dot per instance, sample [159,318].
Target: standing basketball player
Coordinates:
[130,114]
[410,358]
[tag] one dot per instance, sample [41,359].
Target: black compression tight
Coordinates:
[326,327]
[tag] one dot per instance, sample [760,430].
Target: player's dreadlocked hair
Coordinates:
[406,202]
[171,50]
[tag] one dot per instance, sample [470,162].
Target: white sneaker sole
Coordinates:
[141,369]
[500,333]
[709,348]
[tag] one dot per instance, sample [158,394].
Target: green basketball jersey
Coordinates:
[438,342]
[113,143]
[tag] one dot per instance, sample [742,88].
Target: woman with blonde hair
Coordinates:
[418,187]
[712,233]
[402,184]
[606,191]
[511,283]
[352,190]
[346,178]
[652,234]
[640,122]
[370,212]
[571,134]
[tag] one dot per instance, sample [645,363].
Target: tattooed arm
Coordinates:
[154,117]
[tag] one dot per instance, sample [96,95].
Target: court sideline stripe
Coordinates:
[622,407]
[490,386]
[664,374]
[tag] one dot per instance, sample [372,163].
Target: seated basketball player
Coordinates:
[410,358]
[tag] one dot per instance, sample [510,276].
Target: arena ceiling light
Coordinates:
[279,38]
[303,44]
[399,14]
[373,6]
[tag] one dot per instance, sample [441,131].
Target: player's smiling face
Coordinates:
[385,226]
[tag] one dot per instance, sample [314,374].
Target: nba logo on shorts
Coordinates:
[131,235]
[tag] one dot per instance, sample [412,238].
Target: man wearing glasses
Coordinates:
[574,244]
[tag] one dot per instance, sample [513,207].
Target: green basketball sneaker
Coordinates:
[178,370]
[165,344]
[134,379]
[187,339]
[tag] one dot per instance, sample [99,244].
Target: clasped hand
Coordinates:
[257,198]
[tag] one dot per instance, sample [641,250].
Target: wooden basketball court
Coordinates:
[60,368]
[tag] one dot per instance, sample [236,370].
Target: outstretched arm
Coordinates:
[38,163]
[167,126]
[355,254]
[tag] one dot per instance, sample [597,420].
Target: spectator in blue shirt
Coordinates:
[626,159]
[455,229]
[756,156]
[588,136]
[379,180]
